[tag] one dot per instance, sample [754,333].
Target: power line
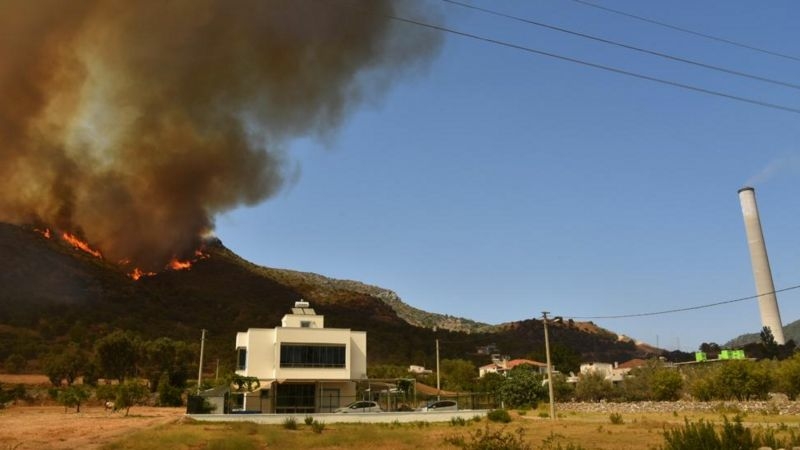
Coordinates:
[690,308]
[597,66]
[627,46]
[686,30]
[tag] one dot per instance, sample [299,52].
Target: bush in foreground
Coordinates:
[499,415]
[733,436]
[487,439]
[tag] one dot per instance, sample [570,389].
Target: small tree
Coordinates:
[666,384]
[788,379]
[593,387]
[768,343]
[742,380]
[130,393]
[71,396]
[522,387]
[164,356]
[168,395]
[15,363]
[116,355]
[490,383]
[65,365]
[458,374]
[562,390]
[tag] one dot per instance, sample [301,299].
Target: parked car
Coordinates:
[441,405]
[362,406]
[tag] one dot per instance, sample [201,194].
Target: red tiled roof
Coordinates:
[632,364]
[516,362]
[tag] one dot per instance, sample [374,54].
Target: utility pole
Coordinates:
[200,369]
[549,368]
[438,389]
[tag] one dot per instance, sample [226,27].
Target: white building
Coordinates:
[302,366]
[504,365]
[610,372]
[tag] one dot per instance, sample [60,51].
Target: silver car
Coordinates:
[441,405]
[362,406]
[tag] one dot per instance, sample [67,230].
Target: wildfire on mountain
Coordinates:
[138,273]
[80,244]
[176,264]
[133,124]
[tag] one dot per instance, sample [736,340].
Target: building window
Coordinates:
[241,358]
[305,324]
[295,399]
[319,355]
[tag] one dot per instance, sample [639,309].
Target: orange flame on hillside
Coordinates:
[80,245]
[139,273]
[176,264]
[45,232]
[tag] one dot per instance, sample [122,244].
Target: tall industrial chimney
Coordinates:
[767,302]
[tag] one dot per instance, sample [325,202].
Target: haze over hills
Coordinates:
[52,292]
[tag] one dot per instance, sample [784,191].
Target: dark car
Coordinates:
[441,405]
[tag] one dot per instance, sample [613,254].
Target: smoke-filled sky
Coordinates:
[498,184]
[473,179]
[133,124]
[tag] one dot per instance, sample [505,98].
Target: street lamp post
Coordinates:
[549,368]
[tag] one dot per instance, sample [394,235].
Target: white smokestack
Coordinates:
[767,302]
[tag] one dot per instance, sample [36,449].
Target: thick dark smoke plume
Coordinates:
[133,123]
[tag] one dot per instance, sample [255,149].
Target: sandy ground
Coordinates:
[48,427]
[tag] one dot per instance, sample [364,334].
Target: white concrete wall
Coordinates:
[389,417]
[358,355]
[295,320]
[260,345]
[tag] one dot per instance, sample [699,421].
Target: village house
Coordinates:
[502,365]
[610,372]
[302,367]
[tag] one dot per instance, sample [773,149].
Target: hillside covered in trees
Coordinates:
[53,294]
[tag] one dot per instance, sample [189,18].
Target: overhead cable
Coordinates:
[626,46]
[686,30]
[598,66]
[690,308]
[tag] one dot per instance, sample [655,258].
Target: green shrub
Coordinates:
[487,439]
[309,420]
[551,442]
[168,395]
[72,396]
[317,427]
[702,434]
[18,392]
[499,415]
[290,423]
[616,418]
[457,422]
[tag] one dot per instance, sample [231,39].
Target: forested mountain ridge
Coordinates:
[52,293]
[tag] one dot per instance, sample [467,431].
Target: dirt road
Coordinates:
[48,427]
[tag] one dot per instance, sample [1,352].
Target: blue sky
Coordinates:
[496,184]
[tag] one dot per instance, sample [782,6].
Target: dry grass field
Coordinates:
[42,425]
[49,427]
